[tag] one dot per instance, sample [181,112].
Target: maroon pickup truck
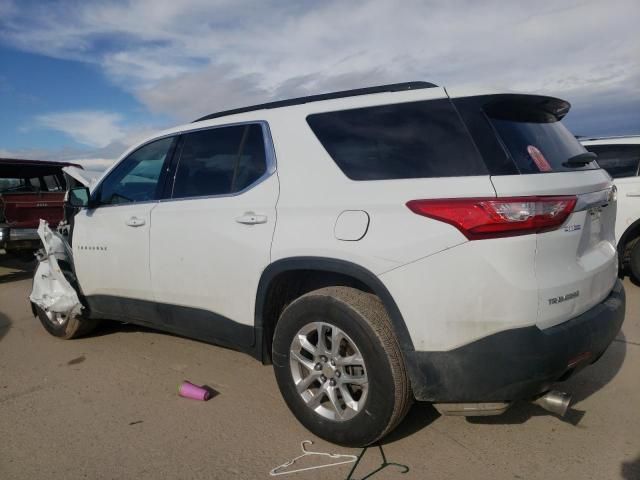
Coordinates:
[29,190]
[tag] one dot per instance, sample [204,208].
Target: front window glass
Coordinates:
[135,179]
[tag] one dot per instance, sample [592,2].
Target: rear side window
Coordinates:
[619,160]
[535,139]
[53,183]
[220,161]
[28,184]
[407,140]
[11,184]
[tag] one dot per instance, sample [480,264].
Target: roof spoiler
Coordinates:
[527,108]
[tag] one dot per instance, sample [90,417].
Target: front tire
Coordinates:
[65,326]
[339,366]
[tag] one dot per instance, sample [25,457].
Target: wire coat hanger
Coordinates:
[306,453]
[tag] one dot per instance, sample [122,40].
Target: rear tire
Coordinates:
[357,372]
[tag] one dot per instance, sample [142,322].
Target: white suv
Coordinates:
[376,246]
[620,156]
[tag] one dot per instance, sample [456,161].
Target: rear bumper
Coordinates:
[519,363]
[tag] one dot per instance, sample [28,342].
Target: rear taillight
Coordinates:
[479,218]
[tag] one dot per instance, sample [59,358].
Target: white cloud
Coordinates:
[102,137]
[193,57]
[93,128]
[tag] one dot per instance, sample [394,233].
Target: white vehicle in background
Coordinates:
[620,156]
[377,246]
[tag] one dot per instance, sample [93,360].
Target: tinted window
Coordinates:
[219,161]
[407,140]
[536,140]
[619,160]
[24,185]
[135,179]
[13,184]
[53,183]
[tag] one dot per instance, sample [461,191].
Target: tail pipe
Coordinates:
[554,402]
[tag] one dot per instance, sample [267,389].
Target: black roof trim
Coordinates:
[394,87]
[36,163]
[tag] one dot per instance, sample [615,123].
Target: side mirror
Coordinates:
[78,197]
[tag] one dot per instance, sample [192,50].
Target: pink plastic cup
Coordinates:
[189,390]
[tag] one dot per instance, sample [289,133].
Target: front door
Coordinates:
[111,239]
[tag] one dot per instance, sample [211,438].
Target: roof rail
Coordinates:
[393,87]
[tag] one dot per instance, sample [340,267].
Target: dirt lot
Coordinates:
[107,407]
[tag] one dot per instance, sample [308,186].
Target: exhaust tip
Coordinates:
[554,402]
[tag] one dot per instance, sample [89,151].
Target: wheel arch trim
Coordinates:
[331,265]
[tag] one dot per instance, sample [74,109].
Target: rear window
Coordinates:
[46,183]
[12,184]
[619,160]
[408,140]
[535,139]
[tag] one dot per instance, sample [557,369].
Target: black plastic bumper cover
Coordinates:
[516,364]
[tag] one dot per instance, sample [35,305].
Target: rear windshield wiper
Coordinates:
[581,159]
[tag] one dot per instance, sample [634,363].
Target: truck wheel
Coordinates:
[65,326]
[634,262]
[339,366]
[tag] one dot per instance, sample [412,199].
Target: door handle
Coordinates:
[635,194]
[135,222]
[250,218]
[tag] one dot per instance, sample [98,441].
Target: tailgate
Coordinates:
[24,210]
[576,265]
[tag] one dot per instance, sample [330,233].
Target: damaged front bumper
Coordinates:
[52,291]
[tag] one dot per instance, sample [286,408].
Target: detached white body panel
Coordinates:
[51,290]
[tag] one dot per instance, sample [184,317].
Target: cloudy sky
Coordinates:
[86,79]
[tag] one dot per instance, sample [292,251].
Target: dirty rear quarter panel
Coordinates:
[467,292]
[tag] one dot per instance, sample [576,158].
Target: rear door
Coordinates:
[111,239]
[575,265]
[211,236]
